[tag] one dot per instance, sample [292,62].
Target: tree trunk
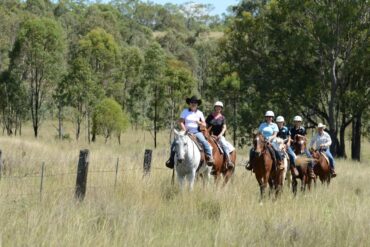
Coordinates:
[341,149]
[155,116]
[172,119]
[234,121]
[35,130]
[119,138]
[356,138]
[91,138]
[60,109]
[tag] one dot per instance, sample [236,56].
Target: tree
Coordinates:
[179,82]
[37,59]
[109,118]
[154,68]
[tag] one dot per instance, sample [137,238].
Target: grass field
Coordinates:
[150,212]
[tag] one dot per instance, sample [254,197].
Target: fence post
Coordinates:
[42,179]
[82,169]
[147,161]
[1,163]
[115,180]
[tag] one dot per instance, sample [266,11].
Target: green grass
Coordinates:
[149,211]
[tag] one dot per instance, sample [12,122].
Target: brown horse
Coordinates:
[262,164]
[299,145]
[322,167]
[220,166]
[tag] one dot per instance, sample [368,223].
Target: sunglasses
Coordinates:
[192,102]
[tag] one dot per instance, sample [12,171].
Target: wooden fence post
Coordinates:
[115,180]
[82,169]
[42,179]
[147,161]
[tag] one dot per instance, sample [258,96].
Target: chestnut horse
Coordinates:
[322,167]
[262,164]
[220,165]
[302,161]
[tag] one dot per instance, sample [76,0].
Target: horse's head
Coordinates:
[299,144]
[206,131]
[181,142]
[258,143]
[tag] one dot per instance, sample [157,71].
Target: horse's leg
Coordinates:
[191,178]
[294,186]
[181,181]
[228,175]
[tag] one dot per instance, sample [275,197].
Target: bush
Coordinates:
[109,118]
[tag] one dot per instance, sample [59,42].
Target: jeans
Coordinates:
[225,146]
[202,139]
[331,159]
[291,155]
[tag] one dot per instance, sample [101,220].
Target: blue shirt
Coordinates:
[268,130]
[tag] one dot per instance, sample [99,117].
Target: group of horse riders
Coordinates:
[192,120]
[271,130]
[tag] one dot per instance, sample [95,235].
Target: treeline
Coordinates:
[129,62]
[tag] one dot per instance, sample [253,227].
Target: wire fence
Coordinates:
[40,179]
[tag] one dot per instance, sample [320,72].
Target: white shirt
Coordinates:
[191,119]
[318,139]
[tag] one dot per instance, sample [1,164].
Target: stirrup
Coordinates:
[248,166]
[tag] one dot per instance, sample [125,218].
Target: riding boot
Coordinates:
[170,163]
[332,172]
[273,157]
[295,170]
[229,163]
[248,166]
[210,160]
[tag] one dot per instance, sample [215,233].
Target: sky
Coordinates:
[220,6]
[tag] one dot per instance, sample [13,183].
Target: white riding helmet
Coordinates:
[280,119]
[218,103]
[269,114]
[297,119]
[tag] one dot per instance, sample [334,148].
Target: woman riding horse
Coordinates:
[216,122]
[322,140]
[284,134]
[190,121]
[299,130]
[269,131]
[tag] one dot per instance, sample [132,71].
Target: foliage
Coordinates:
[109,118]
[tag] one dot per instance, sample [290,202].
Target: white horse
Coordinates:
[187,160]
[278,143]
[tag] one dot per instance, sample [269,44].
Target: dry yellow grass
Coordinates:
[149,212]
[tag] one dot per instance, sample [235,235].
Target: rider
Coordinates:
[217,121]
[269,131]
[190,120]
[301,131]
[322,140]
[284,134]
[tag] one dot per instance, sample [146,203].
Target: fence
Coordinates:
[80,186]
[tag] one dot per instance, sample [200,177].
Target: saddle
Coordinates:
[217,144]
[195,140]
[200,147]
[325,156]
